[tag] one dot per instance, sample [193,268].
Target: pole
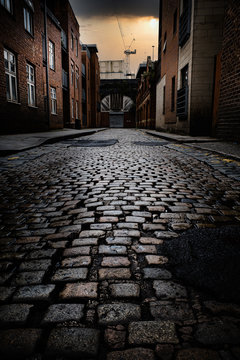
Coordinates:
[153,53]
[47,70]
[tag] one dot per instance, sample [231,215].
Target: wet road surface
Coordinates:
[87,266]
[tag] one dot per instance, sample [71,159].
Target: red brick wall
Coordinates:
[20,117]
[169,59]
[95,87]
[86,62]
[228,125]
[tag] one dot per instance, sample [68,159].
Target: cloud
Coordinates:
[91,8]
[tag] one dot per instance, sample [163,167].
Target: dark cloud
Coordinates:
[89,8]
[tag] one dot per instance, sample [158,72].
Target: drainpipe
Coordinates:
[47,69]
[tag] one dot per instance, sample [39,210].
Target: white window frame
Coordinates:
[51,47]
[31,85]
[72,73]
[11,75]
[53,100]
[77,110]
[72,108]
[7,4]
[28,20]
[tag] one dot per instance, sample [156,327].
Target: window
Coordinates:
[53,101]
[77,47]
[72,40]
[184,77]
[73,108]
[51,55]
[77,77]
[72,72]
[11,75]
[31,84]
[175,22]
[165,43]
[173,94]
[77,109]
[7,4]
[164,96]
[28,20]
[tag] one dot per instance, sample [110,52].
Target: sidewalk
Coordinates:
[224,148]
[10,144]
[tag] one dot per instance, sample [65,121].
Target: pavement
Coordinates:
[10,144]
[227,149]
[106,245]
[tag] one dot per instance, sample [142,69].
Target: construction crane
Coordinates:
[127,51]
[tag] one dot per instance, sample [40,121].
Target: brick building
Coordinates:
[86,86]
[190,39]
[23,66]
[94,86]
[146,96]
[71,63]
[227,94]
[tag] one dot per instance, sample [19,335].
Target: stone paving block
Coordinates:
[144,214]
[103,226]
[58,236]
[163,310]
[119,240]
[156,273]
[33,293]
[76,261]
[28,278]
[165,234]
[18,343]
[150,241]
[75,251]
[116,273]
[58,313]
[79,290]
[131,208]
[153,227]
[128,233]
[115,338]
[84,242]
[152,332]
[41,254]
[6,292]
[197,354]
[127,225]
[219,331]
[145,249]
[115,261]
[118,313]
[156,259]
[73,342]
[108,219]
[169,289]
[14,314]
[112,213]
[91,234]
[180,226]
[135,219]
[152,208]
[112,249]
[124,290]
[28,240]
[130,354]
[67,275]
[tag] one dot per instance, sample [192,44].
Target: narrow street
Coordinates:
[119,246]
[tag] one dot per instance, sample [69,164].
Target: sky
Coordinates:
[113,24]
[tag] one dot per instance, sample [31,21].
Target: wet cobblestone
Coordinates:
[82,230]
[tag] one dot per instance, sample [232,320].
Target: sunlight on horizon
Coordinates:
[106,34]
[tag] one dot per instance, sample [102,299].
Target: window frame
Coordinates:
[173,90]
[77,110]
[31,84]
[72,108]
[28,21]
[51,50]
[164,100]
[53,92]
[77,77]
[72,40]
[5,4]
[72,72]
[11,74]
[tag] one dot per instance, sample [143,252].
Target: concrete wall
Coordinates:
[207,43]
[160,117]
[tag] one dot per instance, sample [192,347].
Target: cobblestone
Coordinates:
[82,238]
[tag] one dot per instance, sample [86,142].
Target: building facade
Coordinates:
[94,86]
[86,87]
[23,63]
[146,96]
[190,39]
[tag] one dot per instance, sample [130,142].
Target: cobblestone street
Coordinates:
[113,248]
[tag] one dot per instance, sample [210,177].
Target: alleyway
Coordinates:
[111,249]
